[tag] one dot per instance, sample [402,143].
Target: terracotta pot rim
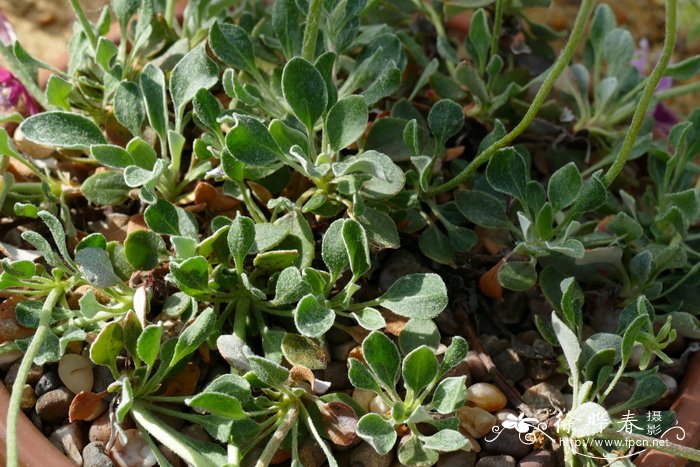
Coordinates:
[686,407]
[33,447]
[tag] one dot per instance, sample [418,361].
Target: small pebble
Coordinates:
[364,455]
[76,372]
[487,396]
[510,364]
[135,453]
[669,396]
[102,378]
[35,372]
[379,406]
[70,438]
[477,369]
[171,457]
[28,397]
[496,461]
[544,395]
[53,406]
[311,454]
[48,382]
[363,397]
[475,420]
[503,415]
[540,458]
[508,442]
[94,455]
[101,429]
[457,459]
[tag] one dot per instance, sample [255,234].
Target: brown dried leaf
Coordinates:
[488,283]
[214,198]
[85,405]
[260,192]
[339,422]
[184,383]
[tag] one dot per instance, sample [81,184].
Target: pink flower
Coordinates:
[13,94]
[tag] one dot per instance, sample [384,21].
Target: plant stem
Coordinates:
[679,90]
[559,66]
[168,436]
[18,386]
[85,23]
[497,20]
[170,12]
[313,18]
[647,94]
[273,445]
[664,446]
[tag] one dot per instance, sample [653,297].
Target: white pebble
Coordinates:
[75,372]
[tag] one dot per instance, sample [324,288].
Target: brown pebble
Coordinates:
[28,397]
[475,420]
[171,457]
[70,438]
[487,396]
[101,429]
[540,458]
[53,406]
[35,372]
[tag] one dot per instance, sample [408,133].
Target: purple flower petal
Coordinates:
[641,57]
[7,32]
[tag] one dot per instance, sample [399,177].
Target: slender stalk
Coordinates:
[654,443]
[18,386]
[167,435]
[170,12]
[313,18]
[85,23]
[559,66]
[679,90]
[647,94]
[273,445]
[497,21]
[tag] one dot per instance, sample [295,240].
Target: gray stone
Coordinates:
[48,382]
[53,406]
[508,442]
[364,455]
[94,455]
[539,458]
[496,461]
[70,438]
[101,379]
[510,364]
[544,395]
